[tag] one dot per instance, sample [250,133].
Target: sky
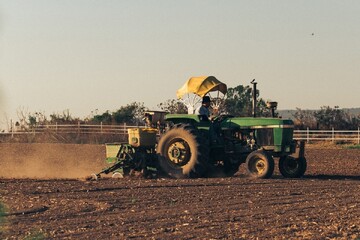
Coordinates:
[83,55]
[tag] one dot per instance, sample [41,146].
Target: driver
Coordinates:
[203,110]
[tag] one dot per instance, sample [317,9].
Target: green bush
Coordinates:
[353,146]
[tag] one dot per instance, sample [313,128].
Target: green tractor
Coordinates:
[194,146]
[191,145]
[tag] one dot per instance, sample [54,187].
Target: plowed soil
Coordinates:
[45,193]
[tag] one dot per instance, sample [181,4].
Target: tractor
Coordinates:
[192,146]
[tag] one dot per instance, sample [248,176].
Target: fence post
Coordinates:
[101,127]
[56,127]
[307,135]
[332,135]
[124,127]
[358,135]
[79,127]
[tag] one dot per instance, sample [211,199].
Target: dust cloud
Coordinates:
[50,161]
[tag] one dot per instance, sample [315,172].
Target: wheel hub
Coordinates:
[179,152]
[291,165]
[260,166]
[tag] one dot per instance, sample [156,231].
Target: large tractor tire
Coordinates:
[259,164]
[183,152]
[291,167]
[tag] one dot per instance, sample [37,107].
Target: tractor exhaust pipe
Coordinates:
[254,98]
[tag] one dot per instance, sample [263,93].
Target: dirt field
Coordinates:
[325,204]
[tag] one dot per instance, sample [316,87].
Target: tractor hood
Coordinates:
[256,123]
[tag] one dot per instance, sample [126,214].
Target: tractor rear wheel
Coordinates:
[183,152]
[291,167]
[259,164]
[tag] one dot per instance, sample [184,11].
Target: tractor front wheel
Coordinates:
[260,164]
[291,167]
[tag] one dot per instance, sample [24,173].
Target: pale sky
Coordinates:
[84,55]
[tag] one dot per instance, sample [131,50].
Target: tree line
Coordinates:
[326,118]
[237,102]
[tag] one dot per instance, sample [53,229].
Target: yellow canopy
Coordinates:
[201,86]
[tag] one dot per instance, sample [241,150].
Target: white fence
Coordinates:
[307,135]
[328,135]
[79,128]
